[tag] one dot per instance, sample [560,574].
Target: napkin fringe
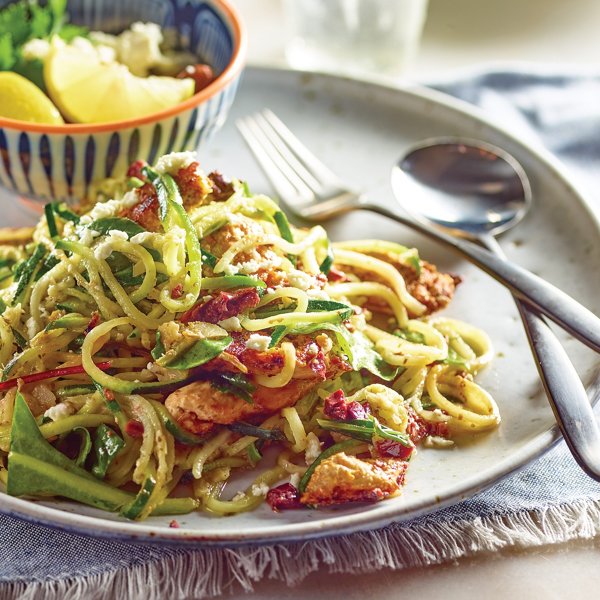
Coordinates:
[213,572]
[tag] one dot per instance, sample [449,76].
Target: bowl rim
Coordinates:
[232,70]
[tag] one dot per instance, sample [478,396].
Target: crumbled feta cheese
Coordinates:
[260,489]
[437,416]
[31,327]
[295,479]
[313,448]
[142,238]
[324,342]
[436,441]
[312,349]
[300,280]
[231,324]
[104,250]
[251,266]
[118,235]
[231,270]
[86,235]
[60,411]
[162,373]
[258,342]
[239,496]
[269,262]
[171,163]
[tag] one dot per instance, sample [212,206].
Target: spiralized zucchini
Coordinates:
[129,338]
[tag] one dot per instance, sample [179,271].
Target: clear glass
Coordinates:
[356,37]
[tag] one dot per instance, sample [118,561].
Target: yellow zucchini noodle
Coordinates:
[154,356]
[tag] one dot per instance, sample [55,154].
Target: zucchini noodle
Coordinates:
[161,345]
[287,372]
[386,272]
[401,352]
[478,411]
[371,289]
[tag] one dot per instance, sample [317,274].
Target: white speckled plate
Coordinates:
[359,129]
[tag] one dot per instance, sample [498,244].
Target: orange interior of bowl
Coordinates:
[230,73]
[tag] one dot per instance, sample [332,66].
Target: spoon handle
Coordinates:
[566,393]
[546,298]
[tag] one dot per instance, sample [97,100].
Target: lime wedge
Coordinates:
[87,90]
[20,99]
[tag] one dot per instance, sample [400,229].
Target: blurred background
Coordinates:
[461,34]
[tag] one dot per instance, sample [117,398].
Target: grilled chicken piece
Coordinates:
[430,287]
[199,406]
[344,478]
[195,189]
[145,212]
[222,239]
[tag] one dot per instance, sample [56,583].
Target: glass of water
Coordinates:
[354,37]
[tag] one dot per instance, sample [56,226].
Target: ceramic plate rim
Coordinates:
[343,524]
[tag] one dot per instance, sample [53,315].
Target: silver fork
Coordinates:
[311,191]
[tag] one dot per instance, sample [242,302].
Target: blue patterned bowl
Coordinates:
[45,162]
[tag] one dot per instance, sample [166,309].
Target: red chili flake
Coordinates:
[174,524]
[394,449]
[134,428]
[135,169]
[109,395]
[93,321]
[177,291]
[337,407]
[284,497]
[222,306]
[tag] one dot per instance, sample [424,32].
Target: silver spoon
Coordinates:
[475,190]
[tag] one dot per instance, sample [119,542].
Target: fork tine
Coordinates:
[289,187]
[288,156]
[319,170]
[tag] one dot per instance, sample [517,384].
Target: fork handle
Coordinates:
[543,296]
[566,394]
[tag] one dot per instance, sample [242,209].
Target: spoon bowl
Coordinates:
[467,187]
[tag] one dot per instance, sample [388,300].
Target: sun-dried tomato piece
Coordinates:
[177,291]
[135,169]
[134,428]
[222,306]
[418,429]
[337,407]
[394,449]
[284,497]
